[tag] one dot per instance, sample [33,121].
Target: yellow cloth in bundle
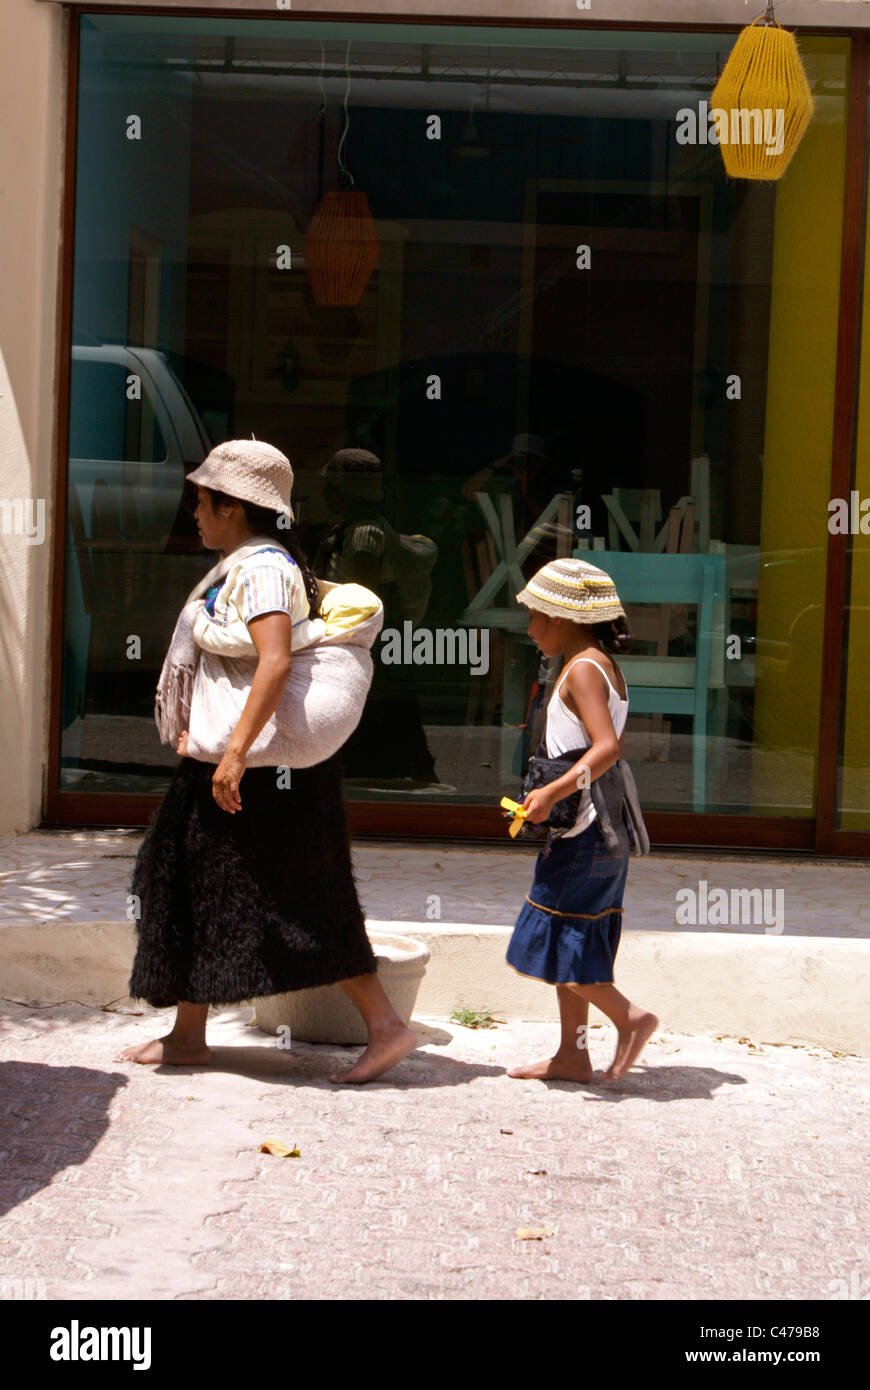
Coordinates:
[346,606]
[762,103]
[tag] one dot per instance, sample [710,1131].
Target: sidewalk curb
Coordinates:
[773,989]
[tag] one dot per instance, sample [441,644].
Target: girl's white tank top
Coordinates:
[566,731]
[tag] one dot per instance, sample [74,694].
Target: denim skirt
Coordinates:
[569,927]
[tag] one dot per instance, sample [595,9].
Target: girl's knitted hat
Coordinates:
[573,589]
[250,470]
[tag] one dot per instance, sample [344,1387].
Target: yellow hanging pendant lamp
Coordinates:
[762,103]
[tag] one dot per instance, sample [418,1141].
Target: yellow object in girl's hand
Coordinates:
[516,813]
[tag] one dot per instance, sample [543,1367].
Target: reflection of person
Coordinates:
[532,478]
[389,743]
[244,878]
[568,930]
[355,549]
[524,472]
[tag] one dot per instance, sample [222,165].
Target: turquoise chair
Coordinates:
[672,684]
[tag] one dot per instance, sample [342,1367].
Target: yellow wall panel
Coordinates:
[797,459]
[856,739]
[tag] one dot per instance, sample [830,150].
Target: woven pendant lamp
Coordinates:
[762,102]
[341,244]
[341,248]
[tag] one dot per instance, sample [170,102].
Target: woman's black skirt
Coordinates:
[237,906]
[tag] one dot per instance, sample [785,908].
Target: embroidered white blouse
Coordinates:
[267,582]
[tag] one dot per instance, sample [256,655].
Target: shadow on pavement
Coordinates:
[314,1063]
[661,1083]
[52,1118]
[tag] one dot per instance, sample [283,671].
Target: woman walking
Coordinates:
[568,930]
[244,877]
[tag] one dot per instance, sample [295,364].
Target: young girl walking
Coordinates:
[568,930]
[244,876]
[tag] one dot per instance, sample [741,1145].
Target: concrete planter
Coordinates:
[326,1015]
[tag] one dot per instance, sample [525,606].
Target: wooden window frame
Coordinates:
[445,821]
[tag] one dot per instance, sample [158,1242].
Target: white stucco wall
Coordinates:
[32,95]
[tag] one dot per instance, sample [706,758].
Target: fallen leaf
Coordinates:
[537,1172]
[275,1146]
[505,1131]
[534,1232]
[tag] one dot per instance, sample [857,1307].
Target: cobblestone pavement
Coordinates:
[718,1169]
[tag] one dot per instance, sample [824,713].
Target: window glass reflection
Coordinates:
[576,334]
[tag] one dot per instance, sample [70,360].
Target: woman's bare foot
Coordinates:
[382,1053]
[565,1066]
[170,1050]
[630,1043]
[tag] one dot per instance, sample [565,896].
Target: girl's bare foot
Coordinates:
[170,1050]
[383,1052]
[630,1043]
[565,1066]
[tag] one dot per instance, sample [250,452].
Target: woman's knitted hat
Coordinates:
[573,589]
[250,470]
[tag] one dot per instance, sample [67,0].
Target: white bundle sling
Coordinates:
[204,688]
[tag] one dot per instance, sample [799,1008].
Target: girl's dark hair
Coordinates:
[266,523]
[614,636]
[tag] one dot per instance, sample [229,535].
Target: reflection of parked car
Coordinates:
[783,577]
[136,450]
[127,461]
[779,582]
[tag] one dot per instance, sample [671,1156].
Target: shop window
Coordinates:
[579,335]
